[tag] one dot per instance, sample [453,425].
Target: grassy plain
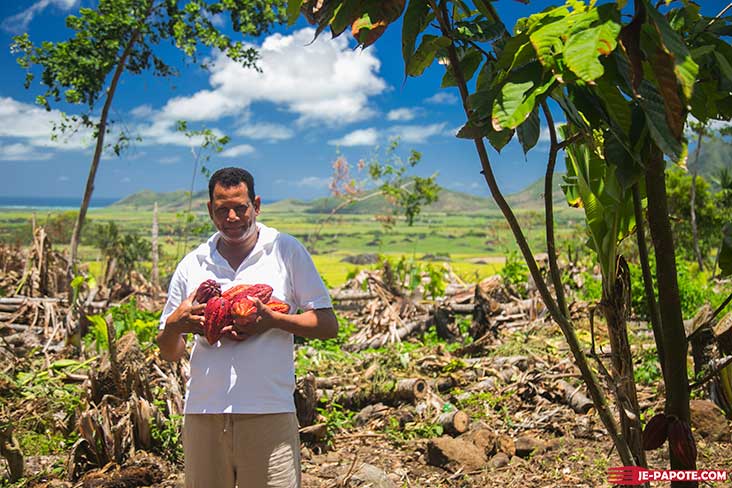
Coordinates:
[473,244]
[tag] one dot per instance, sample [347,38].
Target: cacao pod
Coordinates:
[207,290]
[244,312]
[261,291]
[681,441]
[235,290]
[217,315]
[655,432]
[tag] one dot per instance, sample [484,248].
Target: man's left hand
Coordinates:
[266,319]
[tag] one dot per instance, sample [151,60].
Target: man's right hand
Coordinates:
[187,318]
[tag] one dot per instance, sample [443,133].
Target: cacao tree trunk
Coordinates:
[589,376]
[674,335]
[653,312]
[614,306]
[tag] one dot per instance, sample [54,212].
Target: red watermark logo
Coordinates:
[635,475]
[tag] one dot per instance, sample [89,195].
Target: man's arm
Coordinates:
[313,324]
[185,319]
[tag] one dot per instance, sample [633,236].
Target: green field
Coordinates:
[472,244]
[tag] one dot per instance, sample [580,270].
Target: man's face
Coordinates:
[234,214]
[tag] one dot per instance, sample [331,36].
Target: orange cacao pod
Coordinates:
[655,432]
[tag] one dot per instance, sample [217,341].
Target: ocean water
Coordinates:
[59,203]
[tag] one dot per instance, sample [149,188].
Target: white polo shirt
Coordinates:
[257,375]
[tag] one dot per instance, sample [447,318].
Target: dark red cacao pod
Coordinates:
[217,315]
[207,290]
[681,441]
[235,290]
[655,432]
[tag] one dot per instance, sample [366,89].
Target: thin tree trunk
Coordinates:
[694,231]
[614,307]
[674,335]
[154,273]
[101,131]
[653,312]
[591,380]
[551,247]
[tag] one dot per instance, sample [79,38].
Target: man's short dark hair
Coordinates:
[232,176]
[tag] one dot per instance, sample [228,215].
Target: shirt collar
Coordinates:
[207,251]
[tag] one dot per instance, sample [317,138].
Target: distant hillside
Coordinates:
[448,202]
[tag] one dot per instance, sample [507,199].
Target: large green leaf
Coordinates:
[685,67]
[724,65]
[528,132]
[725,251]
[519,96]
[547,40]
[615,104]
[416,19]
[478,30]
[425,54]
[585,45]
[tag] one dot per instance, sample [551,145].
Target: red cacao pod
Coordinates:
[207,290]
[681,441]
[235,290]
[655,432]
[217,315]
[261,291]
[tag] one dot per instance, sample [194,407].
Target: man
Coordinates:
[240,426]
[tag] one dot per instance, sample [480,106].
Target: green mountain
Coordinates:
[448,202]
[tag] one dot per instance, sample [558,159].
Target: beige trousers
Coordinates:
[244,450]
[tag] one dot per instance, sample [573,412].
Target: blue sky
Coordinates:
[286,124]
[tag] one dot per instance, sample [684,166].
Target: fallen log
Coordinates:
[388,393]
[314,433]
[454,423]
[572,396]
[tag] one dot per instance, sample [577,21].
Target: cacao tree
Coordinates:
[625,89]
[119,36]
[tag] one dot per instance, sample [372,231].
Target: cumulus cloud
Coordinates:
[19,22]
[22,152]
[325,81]
[442,98]
[236,151]
[316,182]
[33,125]
[401,114]
[360,137]
[266,131]
[142,111]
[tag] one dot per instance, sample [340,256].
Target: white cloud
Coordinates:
[33,125]
[442,98]
[360,137]
[416,134]
[63,178]
[19,22]
[322,81]
[236,151]
[401,114]
[266,131]
[21,152]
